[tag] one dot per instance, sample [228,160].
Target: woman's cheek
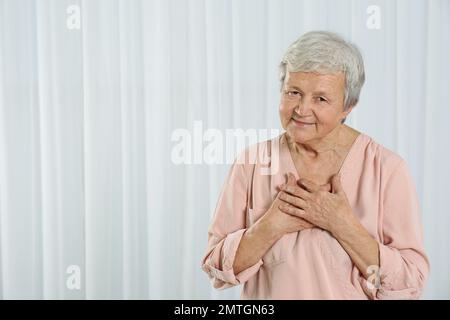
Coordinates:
[284,116]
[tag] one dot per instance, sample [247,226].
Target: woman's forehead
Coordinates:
[314,80]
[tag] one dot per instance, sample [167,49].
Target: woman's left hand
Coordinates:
[330,211]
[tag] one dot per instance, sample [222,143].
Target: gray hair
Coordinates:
[326,52]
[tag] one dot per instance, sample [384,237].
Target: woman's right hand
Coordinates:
[281,222]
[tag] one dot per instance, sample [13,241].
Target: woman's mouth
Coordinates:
[301,124]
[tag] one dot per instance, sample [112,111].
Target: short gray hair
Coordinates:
[326,52]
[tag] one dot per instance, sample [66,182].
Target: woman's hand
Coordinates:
[332,212]
[327,210]
[284,222]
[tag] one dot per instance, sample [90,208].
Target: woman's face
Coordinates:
[312,104]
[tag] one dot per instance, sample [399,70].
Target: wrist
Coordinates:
[346,226]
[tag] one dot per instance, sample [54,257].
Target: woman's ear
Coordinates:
[346,113]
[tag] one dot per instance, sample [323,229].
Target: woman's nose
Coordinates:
[302,107]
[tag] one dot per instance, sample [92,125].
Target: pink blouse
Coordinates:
[311,264]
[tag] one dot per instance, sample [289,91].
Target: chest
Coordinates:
[319,171]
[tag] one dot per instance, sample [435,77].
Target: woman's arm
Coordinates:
[235,252]
[404,265]
[266,231]
[359,245]
[226,231]
[254,244]
[400,255]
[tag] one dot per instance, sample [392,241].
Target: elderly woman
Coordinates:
[339,218]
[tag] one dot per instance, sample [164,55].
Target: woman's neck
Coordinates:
[329,145]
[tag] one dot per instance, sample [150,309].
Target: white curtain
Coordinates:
[87,114]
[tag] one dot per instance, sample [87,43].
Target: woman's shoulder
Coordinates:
[259,152]
[372,150]
[259,156]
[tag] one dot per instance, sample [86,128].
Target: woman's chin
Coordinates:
[299,135]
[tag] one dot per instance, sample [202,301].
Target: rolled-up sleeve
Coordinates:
[226,231]
[404,265]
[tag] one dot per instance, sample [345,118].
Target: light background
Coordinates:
[86,118]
